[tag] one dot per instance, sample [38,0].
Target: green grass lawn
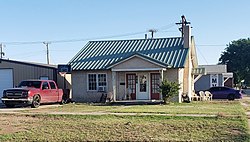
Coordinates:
[210,108]
[247,104]
[229,124]
[129,128]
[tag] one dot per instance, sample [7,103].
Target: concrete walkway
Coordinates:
[25,111]
[246,97]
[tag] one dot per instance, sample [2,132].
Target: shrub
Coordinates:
[168,90]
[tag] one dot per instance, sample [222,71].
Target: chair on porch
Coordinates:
[128,94]
[202,96]
[208,95]
[195,97]
[110,97]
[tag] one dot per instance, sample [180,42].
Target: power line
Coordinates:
[86,39]
[28,53]
[202,55]
[211,45]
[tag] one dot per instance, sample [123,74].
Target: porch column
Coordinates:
[161,79]
[114,84]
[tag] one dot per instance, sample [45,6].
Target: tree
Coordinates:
[169,89]
[237,58]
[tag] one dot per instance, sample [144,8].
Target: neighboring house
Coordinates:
[13,72]
[135,67]
[216,75]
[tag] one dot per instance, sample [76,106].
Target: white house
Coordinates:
[133,69]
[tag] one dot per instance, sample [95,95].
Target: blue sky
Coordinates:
[215,23]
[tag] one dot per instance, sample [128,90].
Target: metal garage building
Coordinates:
[12,72]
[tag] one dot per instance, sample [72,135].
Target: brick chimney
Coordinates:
[187,36]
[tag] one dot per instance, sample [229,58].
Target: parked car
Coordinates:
[222,92]
[33,92]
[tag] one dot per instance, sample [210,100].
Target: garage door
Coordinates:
[6,80]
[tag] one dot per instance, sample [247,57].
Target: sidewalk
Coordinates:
[246,97]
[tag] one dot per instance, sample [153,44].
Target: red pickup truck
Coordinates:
[33,92]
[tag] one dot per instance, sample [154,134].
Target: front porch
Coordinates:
[138,102]
[137,86]
[138,78]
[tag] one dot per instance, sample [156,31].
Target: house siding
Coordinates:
[135,63]
[173,76]
[204,82]
[121,85]
[80,84]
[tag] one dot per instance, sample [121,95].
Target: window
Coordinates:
[131,81]
[155,82]
[45,85]
[92,82]
[143,83]
[35,84]
[96,81]
[52,85]
[102,80]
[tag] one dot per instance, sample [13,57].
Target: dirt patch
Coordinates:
[14,123]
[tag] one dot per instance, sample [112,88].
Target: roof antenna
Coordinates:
[183,23]
[1,51]
[152,31]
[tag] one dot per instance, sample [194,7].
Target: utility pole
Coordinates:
[1,51]
[183,23]
[47,49]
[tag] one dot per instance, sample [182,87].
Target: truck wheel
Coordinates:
[64,100]
[9,105]
[36,101]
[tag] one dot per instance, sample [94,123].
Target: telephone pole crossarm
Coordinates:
[183,23]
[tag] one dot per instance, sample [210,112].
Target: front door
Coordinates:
[131,86]
[155,86]
[143,89]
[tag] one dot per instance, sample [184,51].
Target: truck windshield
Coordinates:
[34,84]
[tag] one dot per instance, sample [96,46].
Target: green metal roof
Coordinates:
[98,55]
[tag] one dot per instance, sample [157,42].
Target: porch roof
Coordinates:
[99,55]
[137,54]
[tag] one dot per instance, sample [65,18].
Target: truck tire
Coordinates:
[36,101]
[64,100]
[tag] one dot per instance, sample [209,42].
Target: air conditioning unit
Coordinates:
[102,89]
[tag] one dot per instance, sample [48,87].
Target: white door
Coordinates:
[6,80]
[143,87]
